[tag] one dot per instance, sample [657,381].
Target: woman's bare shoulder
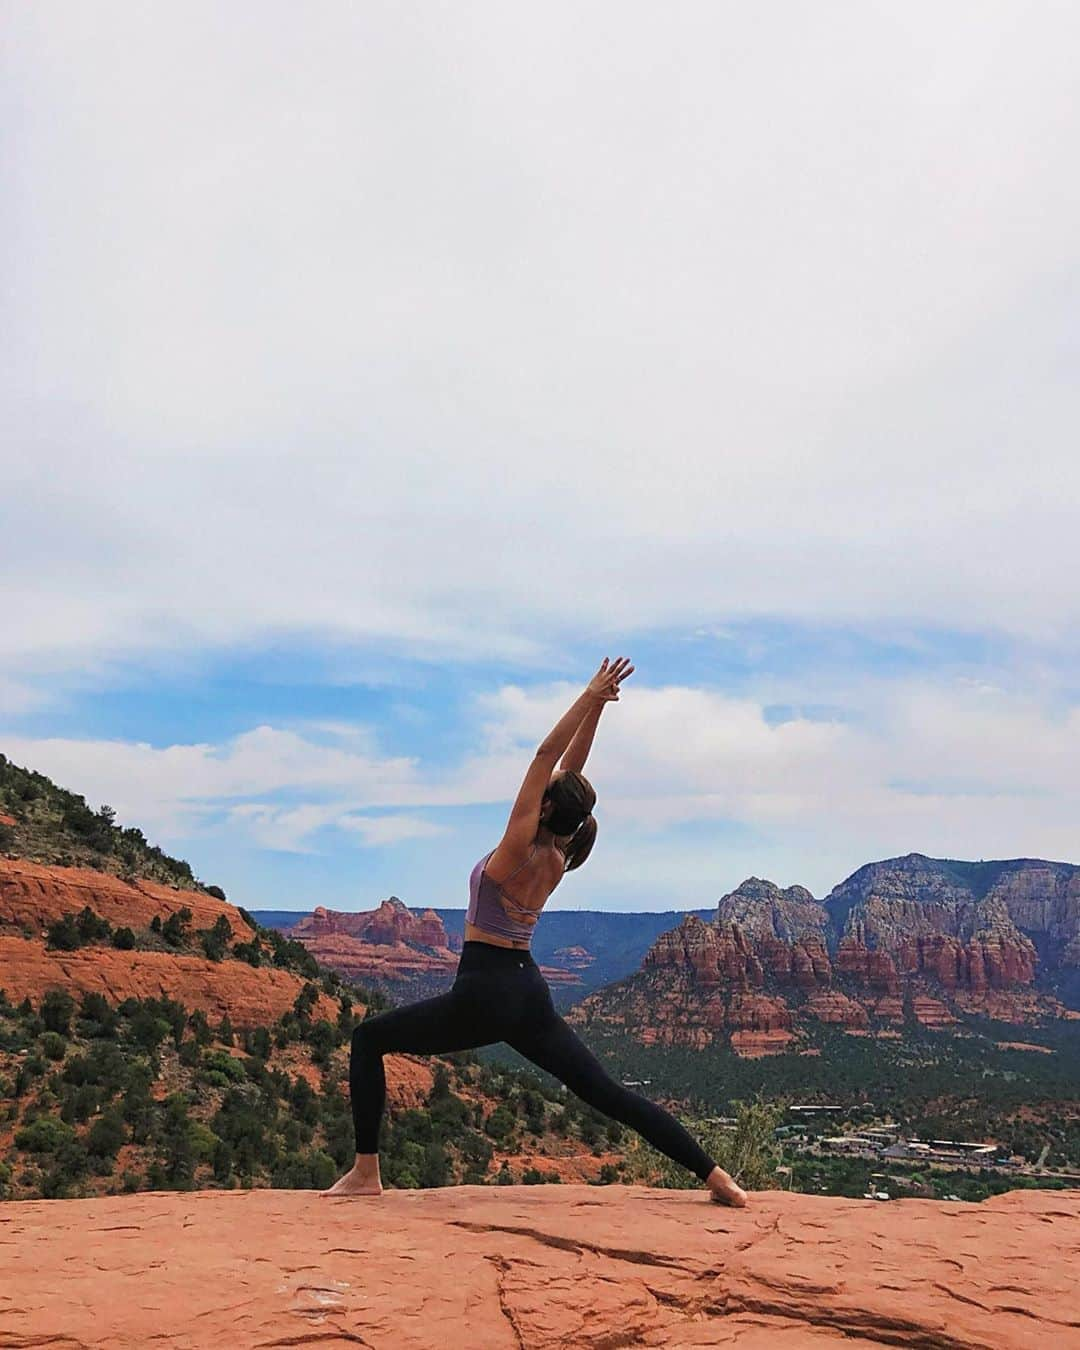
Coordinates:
[505,864]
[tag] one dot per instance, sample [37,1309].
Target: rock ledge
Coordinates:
[538,1267]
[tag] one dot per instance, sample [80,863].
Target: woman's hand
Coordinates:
[605,683]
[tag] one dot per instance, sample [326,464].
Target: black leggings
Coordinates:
[499,994]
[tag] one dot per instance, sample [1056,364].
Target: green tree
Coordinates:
[92,928]
[500,1124]
[57,1008]
[106,1135]
[63,934]
[176,929]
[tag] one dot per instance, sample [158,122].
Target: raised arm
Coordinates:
[524,819]
[578,752]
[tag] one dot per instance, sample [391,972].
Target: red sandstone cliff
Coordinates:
[32,896]
[764,967]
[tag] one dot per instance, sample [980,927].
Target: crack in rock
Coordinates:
[640,1258]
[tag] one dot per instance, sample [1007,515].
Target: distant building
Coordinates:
[847,1143]
[941,1150]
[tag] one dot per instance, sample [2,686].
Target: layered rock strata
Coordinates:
[897,940]
[32,896]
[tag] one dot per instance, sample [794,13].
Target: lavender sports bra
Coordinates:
[486,910]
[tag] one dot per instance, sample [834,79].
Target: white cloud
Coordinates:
[477,330]
[960,772]
[289,829]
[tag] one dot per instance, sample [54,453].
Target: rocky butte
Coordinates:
[538,1267]
[408,955]
[907,937]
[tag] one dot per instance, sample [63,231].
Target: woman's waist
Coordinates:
[478,955]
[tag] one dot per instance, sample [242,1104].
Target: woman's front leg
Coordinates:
[432,1026]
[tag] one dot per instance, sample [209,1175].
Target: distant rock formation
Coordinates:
[540,1266]
[390,924]
[908,937]
[407,955]
[574,958]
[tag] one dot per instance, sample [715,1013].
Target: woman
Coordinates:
[499,993]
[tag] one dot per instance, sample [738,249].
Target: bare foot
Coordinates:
[362,1179]
[724,1189]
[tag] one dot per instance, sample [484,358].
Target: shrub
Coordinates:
[57,1008]
[96,1018]
[259,1043]
[93,928]
[218,1061]
[147,1029]
[176,929]
[322,1038]
[304,1172]
[53,1045]
[106,1135]
[215,941]
[124,939]
[46,1134]
[500,1123]
[203,1141]
[216,892]
[63,934]
[752,1152]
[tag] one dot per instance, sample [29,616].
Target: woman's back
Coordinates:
[512,916]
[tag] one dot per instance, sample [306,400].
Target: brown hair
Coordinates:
[572,799]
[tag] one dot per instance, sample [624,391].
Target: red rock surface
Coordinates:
[35,895]
[538,1267]
[251,996]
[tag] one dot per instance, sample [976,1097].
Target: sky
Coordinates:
[370,372]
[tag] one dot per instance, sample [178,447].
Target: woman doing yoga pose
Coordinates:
[499,993]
